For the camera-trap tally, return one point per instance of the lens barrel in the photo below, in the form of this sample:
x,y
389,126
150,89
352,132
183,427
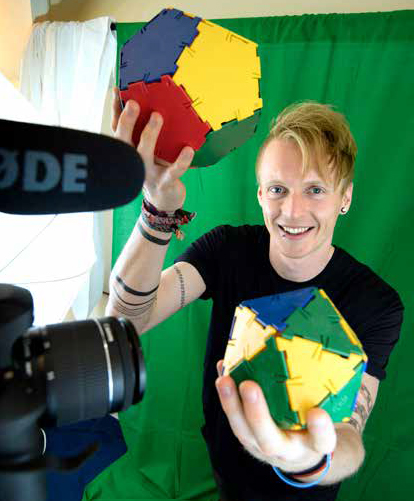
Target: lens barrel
x,y
92,368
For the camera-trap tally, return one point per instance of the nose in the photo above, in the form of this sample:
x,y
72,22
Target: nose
x,y
293,206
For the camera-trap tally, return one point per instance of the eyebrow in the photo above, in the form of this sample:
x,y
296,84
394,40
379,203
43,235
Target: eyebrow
x,y
313,181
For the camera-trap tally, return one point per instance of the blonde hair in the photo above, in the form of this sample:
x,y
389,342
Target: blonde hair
x,y
323,136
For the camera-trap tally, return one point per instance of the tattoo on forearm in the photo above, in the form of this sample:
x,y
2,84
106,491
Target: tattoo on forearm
x,y
134,312
362,413
132,291
131,304
365,392
182,288
151,238
353,422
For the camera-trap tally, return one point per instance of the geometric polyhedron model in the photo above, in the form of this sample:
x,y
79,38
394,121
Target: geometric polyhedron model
x,y
203,79
301,351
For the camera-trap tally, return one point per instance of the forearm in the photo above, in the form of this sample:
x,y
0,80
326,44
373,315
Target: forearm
x,y
136,276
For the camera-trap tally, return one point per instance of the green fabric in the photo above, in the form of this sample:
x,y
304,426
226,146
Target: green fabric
x,y
364,65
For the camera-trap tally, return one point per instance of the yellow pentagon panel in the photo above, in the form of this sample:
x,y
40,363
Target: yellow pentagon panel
x,y
220,72
248,338
311,375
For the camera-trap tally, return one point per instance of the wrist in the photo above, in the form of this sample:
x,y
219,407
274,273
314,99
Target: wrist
x,y
306,480
291,467
163,221
160,203
304,473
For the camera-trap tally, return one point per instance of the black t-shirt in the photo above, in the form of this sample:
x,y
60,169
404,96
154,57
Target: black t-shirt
x,y
234,264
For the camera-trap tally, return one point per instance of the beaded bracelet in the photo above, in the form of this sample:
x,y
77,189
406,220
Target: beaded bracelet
x,y
164,221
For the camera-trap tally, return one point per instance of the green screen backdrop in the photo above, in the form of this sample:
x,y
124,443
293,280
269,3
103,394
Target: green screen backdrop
x,y
364,65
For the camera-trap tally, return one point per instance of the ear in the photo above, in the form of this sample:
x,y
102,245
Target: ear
x,y
347,196
259,195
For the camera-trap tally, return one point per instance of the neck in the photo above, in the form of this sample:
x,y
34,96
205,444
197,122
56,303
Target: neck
x,y
300,269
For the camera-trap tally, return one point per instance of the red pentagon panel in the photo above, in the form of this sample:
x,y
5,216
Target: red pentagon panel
x,y
182,126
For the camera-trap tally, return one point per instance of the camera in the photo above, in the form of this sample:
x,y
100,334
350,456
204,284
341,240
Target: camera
x,y
76,371
55,375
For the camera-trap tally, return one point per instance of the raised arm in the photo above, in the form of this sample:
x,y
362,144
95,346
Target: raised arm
x,y
139,289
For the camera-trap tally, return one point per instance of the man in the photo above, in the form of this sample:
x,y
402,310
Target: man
x,y
304,171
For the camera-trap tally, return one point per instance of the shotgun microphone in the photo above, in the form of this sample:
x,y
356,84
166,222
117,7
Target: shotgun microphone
x,y
53,170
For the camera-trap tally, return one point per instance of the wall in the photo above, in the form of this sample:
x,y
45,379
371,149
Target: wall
x,y
15,26
214,9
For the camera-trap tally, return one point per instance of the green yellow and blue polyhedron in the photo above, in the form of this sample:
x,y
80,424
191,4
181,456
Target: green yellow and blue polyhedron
x,y
301,351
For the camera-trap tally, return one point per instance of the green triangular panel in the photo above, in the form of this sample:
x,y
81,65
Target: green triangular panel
x,y
221,142
268,368
341,406
319,322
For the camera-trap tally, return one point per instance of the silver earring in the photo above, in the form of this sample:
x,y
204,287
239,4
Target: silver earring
x,y
343,210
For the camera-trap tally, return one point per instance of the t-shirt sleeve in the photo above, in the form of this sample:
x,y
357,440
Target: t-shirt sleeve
x,y
205,255
382,333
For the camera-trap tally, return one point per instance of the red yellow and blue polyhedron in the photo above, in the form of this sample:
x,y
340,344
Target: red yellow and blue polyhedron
x,y
202,78
301,351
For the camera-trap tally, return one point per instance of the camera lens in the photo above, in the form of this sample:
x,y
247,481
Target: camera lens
x,y
91,367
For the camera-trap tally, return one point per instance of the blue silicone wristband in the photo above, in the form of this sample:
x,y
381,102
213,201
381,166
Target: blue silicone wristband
x,y
303,485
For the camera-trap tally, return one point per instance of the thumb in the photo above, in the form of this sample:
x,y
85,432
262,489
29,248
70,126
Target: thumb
x,y
321,431
182,163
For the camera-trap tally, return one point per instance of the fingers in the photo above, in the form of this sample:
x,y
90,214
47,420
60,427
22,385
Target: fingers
x,y
219,367
149,137
126,122
181,165
270,438
116,108
321,436
233,409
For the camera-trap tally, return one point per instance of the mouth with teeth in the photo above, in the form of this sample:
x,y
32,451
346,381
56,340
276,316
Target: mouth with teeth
x,y
295,233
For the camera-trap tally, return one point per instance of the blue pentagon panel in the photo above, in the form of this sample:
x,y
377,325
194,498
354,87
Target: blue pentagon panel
x,y
341,405
268,368
154,50
275,309
221,142
318,321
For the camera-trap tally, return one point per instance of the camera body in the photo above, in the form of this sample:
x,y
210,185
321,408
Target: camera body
x,y
55,375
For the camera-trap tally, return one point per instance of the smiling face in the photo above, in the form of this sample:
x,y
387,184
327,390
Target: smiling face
x,y
300,211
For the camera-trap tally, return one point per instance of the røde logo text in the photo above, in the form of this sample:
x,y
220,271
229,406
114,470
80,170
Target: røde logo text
x,y
41,171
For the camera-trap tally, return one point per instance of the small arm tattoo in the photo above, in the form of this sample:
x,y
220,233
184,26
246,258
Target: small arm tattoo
x,y
366,393
360,417
353,422
361,410
182,287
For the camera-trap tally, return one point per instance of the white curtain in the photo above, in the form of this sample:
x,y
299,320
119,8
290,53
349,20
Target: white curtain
x,y
65,74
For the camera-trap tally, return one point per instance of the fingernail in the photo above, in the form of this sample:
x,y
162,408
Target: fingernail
x,y
131,108
225,391
187,155
251,396
153,120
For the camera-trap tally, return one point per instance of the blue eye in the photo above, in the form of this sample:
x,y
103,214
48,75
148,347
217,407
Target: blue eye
x,y
276,190
315,190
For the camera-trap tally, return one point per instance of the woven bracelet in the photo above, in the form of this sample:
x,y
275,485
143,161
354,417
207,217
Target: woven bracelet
x,y
167,222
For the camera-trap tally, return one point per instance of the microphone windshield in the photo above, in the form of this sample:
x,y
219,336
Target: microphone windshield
x,y
52,170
